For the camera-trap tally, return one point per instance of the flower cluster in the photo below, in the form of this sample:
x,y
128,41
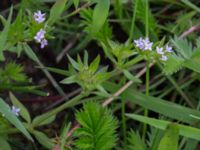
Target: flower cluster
x,y
162,52
40,35
145,44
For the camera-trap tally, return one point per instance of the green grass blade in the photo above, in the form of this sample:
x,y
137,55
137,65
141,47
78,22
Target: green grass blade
x,y
101,12
184,130
158,105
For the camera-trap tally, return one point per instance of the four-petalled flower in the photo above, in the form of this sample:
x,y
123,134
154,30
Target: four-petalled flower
x,y
15,110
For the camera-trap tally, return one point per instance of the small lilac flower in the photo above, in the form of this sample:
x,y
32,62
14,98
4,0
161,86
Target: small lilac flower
x,y
143,44
15,110
168,49
163,58
40,35
148,46
139,43
43,43
159,50
146,40
39,16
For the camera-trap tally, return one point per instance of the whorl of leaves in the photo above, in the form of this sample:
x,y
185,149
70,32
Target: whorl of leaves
x,y
12,72
97,130
135,142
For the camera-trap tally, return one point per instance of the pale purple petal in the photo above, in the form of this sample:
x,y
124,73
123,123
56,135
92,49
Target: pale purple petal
x,y
139,43
163,58
143,44
43,43
40,35
148,46
146,40
15,110
39,17
168,49
159,50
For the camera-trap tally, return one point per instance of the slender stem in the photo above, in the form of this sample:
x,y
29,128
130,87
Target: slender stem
x,y
147,94
133,21
51,79
147,78
77,10
118,10
58,109
147,64
147,19
30,53
124,119
178,88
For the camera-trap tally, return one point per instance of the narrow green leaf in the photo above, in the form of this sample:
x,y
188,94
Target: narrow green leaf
x,y
19,49
3,20
170,139
76,3
23,111
30,53
95,64
100,14
74,63
187,131
191,5
68,80
44,122
158,105
85,58
5,109
64,135
56,11
56,70
131,77
4,34
191,144
102,91
43,139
